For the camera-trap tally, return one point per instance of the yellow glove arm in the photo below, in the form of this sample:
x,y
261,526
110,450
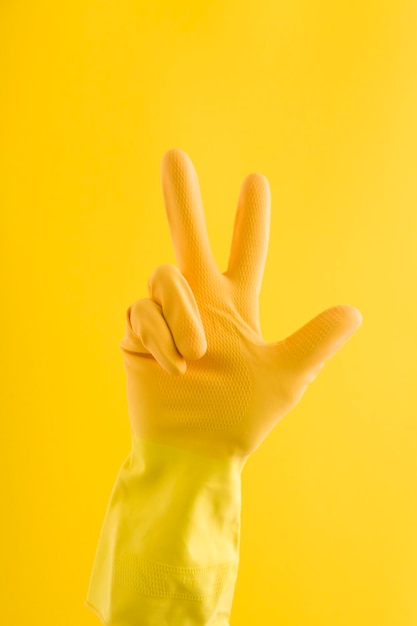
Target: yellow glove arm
x,y
168,551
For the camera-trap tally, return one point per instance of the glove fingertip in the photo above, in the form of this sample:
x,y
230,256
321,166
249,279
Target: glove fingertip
x,y
197,350
177,368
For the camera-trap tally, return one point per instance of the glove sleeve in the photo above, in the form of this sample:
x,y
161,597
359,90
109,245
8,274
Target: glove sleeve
x,y
168,550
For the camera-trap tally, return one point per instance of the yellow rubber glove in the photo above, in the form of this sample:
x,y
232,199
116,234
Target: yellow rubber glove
x,y
204,390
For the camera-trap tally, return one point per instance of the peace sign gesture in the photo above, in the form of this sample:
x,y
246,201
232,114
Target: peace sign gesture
x,y
199,374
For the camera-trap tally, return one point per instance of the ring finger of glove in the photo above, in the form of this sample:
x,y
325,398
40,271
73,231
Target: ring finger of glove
x,y
151,328
170,290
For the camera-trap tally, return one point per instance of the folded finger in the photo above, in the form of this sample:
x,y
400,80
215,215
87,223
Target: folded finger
x,y
150,326
171,291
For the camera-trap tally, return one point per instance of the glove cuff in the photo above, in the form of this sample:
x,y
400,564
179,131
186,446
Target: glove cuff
x,y
168,551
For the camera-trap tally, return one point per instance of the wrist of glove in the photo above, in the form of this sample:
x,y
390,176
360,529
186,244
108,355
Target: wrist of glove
x,y
168,551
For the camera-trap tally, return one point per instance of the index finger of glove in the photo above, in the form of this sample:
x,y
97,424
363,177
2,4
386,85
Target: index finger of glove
x,y
185,213
251,233
168,288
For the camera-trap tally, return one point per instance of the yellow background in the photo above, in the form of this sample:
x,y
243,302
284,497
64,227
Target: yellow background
x,y
321,97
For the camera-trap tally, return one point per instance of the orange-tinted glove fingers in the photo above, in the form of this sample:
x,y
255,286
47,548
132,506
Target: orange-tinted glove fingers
x,y
251,233
168,288
151,327
185,213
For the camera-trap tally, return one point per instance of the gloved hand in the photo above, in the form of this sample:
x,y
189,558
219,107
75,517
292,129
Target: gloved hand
x,y
204,390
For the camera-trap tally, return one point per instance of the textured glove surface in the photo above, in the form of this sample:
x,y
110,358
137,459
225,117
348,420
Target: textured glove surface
x,y
199,374
204,389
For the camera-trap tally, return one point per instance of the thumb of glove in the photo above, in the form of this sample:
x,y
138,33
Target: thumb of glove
x,y
318,340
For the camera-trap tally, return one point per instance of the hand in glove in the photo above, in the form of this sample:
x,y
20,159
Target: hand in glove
x,y
204,390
